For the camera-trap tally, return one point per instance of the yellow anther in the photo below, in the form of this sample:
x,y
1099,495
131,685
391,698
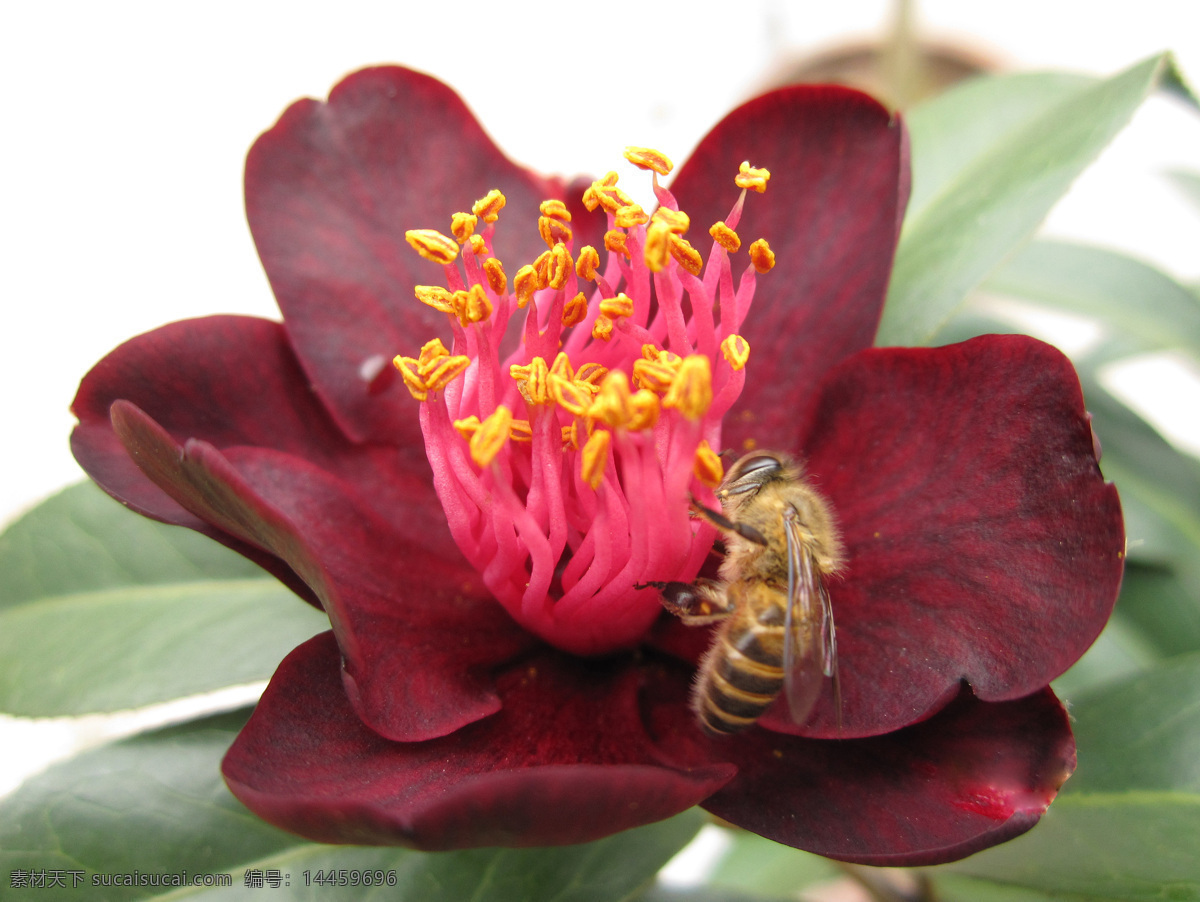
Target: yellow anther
x,y
631,215
752,178
520,431
526,283
658,247
726,237
433,371
432,350
591,197
686,255
562,367
412,378
491,436
736,350
615,308
436,297
472,306
614,242
588,263
432,245
611,404
555,209
650,351
572,396
489,206
493,271
602,328
654,374
440,374
575,310
691,391
532,381
467,427
560,267
541,266
553,231
674,220
462,225
708,468
648,158
762,256
645,408
594,458
591,373
606,194
570,438
478,245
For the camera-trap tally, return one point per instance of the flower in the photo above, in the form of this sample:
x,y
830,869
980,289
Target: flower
x,y
983,549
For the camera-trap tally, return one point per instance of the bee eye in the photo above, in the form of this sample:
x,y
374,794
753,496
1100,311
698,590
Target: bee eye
x,y
759,465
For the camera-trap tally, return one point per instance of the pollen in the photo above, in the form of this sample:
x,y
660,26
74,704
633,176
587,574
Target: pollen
x,y
433,245
594,458
647,158
762,256
575,412
691,390
491,436
489,206
736,351
751,178
726,237
708,468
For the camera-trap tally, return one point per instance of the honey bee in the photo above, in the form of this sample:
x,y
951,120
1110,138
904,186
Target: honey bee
x,y
777,632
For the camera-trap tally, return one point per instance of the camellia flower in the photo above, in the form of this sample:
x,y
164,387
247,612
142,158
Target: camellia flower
x,y
480,518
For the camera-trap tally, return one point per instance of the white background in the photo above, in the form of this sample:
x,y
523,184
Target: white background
x,y
125,127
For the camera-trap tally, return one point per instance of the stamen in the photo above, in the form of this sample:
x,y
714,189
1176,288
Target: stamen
x,y
595,458
432,245
762,256
708,469
566,483
749,177
491,436
736,350
647,158
489,206
691,391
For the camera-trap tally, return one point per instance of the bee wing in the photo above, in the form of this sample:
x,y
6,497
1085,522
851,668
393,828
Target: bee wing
x,y
809,644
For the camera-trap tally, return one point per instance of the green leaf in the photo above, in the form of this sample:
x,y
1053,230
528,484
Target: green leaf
x,y
997,195
155,804
135,646
754,865
1188,183
104,610
1125,826
81,540
1148,308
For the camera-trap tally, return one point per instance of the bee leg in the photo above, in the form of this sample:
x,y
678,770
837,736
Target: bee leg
x,y
719,520
695,603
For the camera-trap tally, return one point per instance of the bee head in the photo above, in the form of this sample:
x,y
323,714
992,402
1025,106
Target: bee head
x,y
751,472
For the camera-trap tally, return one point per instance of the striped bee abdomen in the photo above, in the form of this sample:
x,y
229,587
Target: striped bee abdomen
x,y
741,674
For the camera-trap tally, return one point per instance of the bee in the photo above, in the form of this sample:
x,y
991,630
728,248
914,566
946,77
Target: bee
x,y
776,623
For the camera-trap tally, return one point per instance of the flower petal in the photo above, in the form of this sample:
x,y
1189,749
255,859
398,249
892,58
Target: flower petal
x,y
831,213
231,381
331,190
983,544
418,633
973,776
565,760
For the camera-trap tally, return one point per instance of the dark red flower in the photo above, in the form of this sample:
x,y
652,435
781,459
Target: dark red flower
x,y
983,548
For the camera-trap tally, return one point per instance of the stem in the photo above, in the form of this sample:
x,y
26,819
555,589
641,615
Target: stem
x,y
890,884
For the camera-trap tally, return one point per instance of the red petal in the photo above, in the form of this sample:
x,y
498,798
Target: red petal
x,y
983,543
234,381
839,183
398,609
331,190
971,777
564,761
